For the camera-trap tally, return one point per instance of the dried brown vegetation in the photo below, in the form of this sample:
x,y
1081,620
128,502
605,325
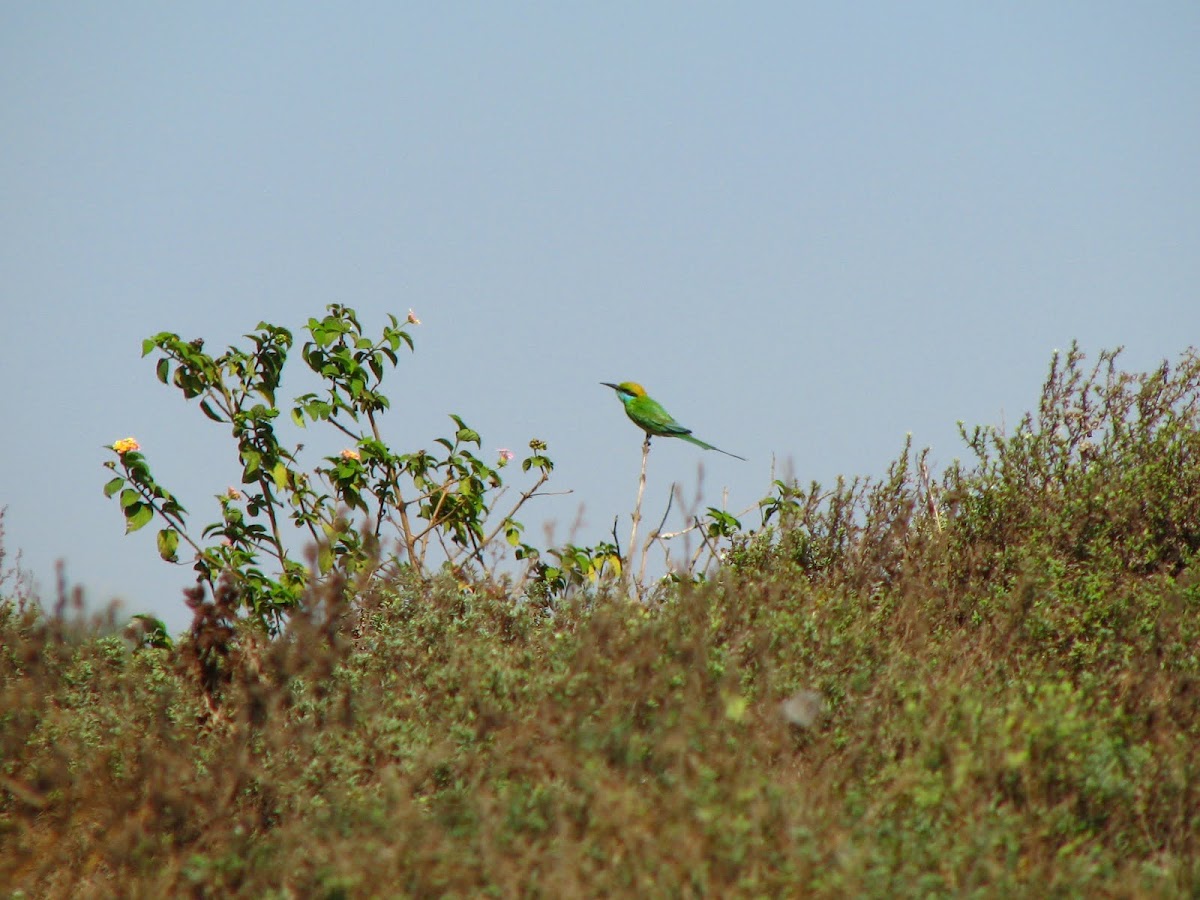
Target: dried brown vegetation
x,y
1012,692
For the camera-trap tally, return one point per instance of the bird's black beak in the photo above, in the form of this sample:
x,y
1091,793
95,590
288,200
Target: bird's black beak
x,y
610,384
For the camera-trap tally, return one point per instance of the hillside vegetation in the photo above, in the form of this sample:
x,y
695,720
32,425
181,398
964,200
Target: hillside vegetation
x,y
985,683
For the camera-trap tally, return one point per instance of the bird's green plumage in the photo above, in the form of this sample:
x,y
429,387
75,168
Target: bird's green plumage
x,y
648,414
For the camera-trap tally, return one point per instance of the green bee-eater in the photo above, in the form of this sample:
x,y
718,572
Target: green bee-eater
x,y
648,415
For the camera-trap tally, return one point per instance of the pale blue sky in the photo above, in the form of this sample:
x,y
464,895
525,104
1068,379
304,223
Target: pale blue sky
x,y
807,229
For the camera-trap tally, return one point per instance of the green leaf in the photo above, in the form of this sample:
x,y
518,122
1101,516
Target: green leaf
x,y
210,412
251,459
735,706
136,466
113,486
138,516
153,632
467,436
168,543
128,498
279,472
163,369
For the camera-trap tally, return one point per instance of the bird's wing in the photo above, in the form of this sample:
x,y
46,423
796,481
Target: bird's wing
x,y
673,427
662,419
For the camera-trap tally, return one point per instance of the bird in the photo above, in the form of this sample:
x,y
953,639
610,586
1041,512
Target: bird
x,y
648,415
